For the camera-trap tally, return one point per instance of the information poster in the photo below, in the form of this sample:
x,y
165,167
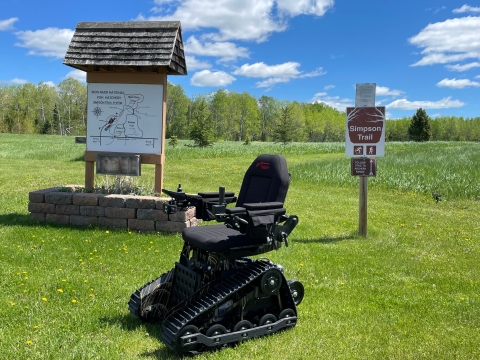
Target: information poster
x,y
365,95
125,118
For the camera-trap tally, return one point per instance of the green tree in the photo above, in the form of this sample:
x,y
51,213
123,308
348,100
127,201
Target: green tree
x,y
285,130
177,110
419,129
202,128
72,103
268,108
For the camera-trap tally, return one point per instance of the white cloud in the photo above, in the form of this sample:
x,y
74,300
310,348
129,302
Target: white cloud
x,y
50,42
262,70
333,101
238,19
211,78
466,8
328,87
448,41
464,67
226,51
309,7
195,64
77,75
457,84
7,24
477,77
384,91
18,81
404,104
275,74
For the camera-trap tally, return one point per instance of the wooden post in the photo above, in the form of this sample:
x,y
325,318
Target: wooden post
x,y
362,207
89,175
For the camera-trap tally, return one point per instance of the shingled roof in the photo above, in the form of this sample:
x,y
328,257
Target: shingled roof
x,y
136,45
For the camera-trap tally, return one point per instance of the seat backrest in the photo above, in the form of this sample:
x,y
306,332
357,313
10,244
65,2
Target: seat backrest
x,y
266,180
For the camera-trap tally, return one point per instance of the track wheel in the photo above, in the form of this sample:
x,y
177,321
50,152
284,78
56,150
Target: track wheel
x,y
267,320
185,347
216,330
242,326
286,313
297,290
271,282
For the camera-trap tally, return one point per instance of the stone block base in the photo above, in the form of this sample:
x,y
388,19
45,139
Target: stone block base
x,y
139,213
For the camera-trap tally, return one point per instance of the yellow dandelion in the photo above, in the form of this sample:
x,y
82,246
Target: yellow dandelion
x,y
463,299
90,295
60,269
44,299
74,301
129,233
107,232
12,303
60,290
85,281
301,264
63,280
29,342
35,327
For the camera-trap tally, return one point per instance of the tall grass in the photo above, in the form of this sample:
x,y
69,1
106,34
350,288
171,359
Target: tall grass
x,y
451,169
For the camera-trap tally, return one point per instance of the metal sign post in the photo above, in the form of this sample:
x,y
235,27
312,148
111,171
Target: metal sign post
x,y
365,136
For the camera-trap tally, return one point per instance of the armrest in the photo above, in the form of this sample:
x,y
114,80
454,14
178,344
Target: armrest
x,y
263,206
207,195
236,211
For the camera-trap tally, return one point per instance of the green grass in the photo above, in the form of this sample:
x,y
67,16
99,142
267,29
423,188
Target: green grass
x,y
409,290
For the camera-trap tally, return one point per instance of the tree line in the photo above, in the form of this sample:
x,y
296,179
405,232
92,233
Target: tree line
x,y
222,115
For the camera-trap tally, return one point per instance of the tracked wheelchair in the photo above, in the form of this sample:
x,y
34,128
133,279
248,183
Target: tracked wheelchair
x,y
216,294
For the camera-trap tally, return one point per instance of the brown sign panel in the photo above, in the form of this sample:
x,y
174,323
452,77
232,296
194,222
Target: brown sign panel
x,y
365,125
363,166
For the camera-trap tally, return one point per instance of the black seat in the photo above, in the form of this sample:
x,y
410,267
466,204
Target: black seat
x,y
261,197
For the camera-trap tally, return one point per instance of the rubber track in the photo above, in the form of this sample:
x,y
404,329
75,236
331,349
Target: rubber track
x,y
206,301
141,295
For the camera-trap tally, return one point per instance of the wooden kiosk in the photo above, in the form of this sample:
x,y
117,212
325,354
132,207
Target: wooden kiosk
x,y
127,64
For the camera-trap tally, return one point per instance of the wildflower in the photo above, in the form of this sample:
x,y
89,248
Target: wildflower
x,y
29,342
44,299
90,295
85,281
60,290
129,233
63,280
12,303
107,232
301,264
60,269
35,327
463,299
74,301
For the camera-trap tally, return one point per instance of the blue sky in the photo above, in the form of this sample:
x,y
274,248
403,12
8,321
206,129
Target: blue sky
x,y
423,53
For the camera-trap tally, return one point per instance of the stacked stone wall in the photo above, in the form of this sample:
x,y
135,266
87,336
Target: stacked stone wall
x,y
139,213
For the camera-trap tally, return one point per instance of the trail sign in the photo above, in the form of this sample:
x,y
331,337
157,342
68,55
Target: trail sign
x,y
365,131
363,166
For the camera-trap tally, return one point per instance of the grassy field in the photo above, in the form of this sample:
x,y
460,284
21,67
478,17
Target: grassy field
x,y
410,290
